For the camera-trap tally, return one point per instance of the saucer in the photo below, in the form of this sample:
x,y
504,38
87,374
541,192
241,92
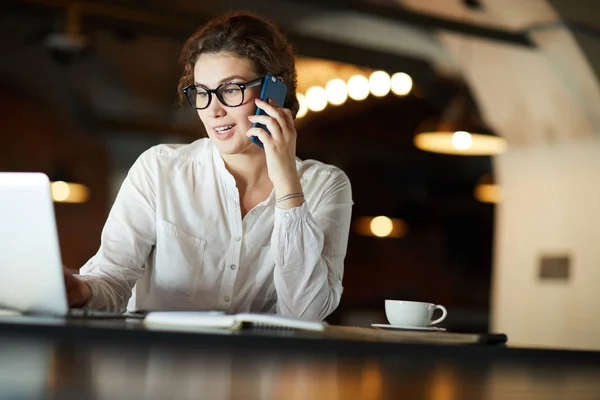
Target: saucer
x,y
408,328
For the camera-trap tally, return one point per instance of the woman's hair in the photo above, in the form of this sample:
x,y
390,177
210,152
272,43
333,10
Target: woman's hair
x,y
250,37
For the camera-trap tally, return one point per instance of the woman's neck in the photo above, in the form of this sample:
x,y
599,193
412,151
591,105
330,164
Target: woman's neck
x,y
248,170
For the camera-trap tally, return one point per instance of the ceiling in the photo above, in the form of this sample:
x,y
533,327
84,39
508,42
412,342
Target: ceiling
x,y
532,66
426,39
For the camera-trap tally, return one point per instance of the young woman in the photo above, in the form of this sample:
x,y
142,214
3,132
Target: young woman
x,y
221,224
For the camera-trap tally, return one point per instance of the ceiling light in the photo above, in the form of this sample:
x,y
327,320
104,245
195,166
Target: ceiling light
x,y
381,226
487,190
337,91
316,98
379,83
358,87
303,110
401,84
67,192
459,131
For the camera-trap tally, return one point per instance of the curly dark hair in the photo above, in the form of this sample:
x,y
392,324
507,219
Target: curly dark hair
x,y
249,36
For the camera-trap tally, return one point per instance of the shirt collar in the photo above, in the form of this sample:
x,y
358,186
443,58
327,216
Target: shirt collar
x,y
220,166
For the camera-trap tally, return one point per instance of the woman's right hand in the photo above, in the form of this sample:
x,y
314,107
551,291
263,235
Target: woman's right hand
x,y
79,292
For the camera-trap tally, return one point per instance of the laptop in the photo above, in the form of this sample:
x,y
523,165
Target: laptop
x,y
31,269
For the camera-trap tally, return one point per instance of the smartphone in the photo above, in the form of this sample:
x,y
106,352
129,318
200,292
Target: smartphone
x,y
274,89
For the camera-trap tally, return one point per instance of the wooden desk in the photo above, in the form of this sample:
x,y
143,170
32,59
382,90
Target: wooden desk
x,y
114,359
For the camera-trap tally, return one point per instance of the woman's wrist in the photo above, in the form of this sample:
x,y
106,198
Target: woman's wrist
x,y
288,194
290,200
84,294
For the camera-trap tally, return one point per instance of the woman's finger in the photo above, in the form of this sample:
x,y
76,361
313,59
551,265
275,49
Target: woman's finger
x,y
287,115
264,137
271,124
274,112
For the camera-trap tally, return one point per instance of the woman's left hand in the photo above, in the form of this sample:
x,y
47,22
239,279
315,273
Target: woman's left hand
x,y
280,146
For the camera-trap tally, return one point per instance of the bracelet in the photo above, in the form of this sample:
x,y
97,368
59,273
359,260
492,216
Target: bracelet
x,y
289,196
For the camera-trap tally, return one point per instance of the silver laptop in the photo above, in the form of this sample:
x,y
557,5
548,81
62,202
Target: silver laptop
x,y
31,272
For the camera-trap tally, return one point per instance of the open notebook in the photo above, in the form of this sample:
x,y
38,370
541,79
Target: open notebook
x,y
218,320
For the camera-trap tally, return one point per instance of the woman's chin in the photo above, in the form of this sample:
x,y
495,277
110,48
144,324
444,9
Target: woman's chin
x,y
236,146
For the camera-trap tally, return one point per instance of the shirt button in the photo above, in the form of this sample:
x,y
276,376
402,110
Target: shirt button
x,y
286,214
237,238
227,298
233,267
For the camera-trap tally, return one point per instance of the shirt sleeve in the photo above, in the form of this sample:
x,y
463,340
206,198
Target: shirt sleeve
x,y
127,239
310,248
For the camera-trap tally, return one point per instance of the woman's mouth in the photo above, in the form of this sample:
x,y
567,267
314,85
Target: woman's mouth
x,y
224,132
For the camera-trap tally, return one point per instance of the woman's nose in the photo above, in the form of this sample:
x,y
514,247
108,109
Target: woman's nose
x,y
215,109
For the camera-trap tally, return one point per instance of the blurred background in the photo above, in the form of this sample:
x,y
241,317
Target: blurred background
x,y
468,128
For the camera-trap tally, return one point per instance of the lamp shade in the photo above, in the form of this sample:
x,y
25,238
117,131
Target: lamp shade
x,y
459,131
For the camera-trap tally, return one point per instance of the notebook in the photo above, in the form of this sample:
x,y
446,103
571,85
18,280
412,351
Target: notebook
x,y
219,320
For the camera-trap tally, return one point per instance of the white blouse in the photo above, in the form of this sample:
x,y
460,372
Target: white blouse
x,y
175,240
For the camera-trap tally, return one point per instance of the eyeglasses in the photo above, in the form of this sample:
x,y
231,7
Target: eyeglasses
x,y
230,94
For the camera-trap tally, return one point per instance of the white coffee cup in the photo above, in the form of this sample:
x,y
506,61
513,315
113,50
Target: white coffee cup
x,y
412,313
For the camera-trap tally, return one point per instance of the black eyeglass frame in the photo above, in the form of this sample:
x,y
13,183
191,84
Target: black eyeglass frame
x,y
242,86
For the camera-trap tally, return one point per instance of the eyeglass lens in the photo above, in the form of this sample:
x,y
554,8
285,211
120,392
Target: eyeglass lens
x,y
230,94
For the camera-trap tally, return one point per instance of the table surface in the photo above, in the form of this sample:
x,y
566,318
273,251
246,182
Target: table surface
x,y
113,359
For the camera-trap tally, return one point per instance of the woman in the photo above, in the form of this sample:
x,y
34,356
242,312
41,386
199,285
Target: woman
x,y
221,224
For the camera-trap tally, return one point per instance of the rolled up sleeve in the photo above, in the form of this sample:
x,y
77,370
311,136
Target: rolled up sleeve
x,y
311,244
127,240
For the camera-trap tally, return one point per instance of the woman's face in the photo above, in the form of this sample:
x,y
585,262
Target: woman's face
x,y
227,126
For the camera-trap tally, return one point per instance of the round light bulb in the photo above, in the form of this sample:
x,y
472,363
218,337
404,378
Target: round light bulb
x,y
316,98
462,140
401,84
381,226
488,193
358,87
60,191
303,110
337,91
380,83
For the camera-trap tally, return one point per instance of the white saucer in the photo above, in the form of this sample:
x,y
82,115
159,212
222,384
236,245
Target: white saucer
x,y
408,328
